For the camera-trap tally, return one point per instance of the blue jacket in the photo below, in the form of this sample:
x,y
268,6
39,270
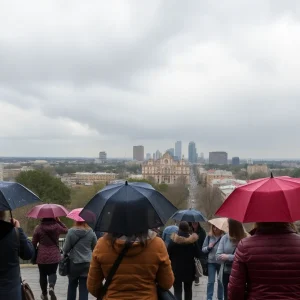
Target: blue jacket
x,y
10,274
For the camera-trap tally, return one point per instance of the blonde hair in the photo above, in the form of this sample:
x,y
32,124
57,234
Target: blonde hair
x,y
211,232
82,225
237,231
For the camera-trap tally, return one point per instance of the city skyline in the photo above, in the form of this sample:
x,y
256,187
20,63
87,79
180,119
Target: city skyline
x,y
222,75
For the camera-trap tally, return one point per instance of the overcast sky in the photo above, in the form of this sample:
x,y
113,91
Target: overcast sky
x,y
77,77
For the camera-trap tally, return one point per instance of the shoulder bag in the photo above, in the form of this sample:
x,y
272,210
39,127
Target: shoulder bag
x,y
114,269
26,291
202,264
64,264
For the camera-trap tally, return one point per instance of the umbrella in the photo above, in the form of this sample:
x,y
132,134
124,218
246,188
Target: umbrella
x,y
189,215
127,208
274,199
220,223
74,215
14,195
47,211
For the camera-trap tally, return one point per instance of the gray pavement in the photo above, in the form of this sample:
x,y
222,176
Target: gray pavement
x,y
31,275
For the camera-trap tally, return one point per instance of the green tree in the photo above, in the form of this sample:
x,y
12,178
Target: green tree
x,y
49,188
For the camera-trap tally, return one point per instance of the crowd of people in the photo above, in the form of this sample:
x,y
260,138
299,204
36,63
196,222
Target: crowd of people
x,y
263,265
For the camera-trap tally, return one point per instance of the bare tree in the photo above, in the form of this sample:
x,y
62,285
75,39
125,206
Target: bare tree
x,y
208,200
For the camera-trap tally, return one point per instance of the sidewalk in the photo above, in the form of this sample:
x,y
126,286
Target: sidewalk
x,y
31,275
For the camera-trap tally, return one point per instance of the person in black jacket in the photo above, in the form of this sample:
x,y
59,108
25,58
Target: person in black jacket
x,y
197,228
12,247
182,250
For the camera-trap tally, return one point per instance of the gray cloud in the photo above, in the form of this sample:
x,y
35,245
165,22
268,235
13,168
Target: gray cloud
x,y
76,78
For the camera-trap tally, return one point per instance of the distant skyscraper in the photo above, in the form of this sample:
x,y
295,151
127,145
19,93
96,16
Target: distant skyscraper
x,y
148,156
235,161
178,150
154,158
192,153
102,156
171,151
138,153
218,158
158,154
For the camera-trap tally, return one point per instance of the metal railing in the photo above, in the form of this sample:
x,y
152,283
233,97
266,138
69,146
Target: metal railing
x,y
61,242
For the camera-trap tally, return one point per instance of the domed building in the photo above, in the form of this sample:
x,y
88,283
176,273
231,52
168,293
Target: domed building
x,y
166,170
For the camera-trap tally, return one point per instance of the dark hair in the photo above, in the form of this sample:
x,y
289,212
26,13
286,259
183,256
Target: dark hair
x,y
275,226
184,226
142,237
236,230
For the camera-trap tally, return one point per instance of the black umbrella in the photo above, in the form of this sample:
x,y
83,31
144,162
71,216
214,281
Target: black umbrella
x,y
189,215
14,195
127,209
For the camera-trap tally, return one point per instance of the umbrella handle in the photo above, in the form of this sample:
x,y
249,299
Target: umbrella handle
x,y
11,218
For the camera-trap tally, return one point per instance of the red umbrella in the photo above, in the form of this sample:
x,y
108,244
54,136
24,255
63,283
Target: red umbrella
x,y
47,211
275,199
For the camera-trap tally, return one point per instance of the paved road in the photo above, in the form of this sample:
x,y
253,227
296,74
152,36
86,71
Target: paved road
x,y
30,274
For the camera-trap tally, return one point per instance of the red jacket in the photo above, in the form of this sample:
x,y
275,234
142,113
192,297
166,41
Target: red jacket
x,y
46,236
269,263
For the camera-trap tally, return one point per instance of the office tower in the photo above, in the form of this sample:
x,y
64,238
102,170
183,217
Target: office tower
x,y
178,150
192,153
158,154
102,156
148,156
235,161
138,153
171,151
218,158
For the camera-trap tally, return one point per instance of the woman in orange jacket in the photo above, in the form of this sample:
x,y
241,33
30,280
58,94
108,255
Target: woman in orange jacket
x,y
145,265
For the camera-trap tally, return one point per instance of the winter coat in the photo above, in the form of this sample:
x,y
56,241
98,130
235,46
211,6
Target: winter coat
x,y
138,272
269,263
81,253
46,236
202,235
10,282
182,249
212,259
226,246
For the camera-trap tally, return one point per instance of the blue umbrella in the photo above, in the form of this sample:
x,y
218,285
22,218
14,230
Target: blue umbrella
x,y
189,215
14,195
127,208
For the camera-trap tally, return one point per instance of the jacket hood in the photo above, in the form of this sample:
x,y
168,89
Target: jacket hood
x,y
5,228
48,225
184,240
135,249
80,232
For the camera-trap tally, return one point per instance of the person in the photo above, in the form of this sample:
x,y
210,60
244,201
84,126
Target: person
x,y
145,264
168,231
46,237
197,228
210,247
226,251
267,264
183,248
13,245
80,242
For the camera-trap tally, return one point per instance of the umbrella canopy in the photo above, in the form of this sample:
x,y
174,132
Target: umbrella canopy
x,y
74,215
274,199
220,223
189,215
127,208
47,211
14,195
